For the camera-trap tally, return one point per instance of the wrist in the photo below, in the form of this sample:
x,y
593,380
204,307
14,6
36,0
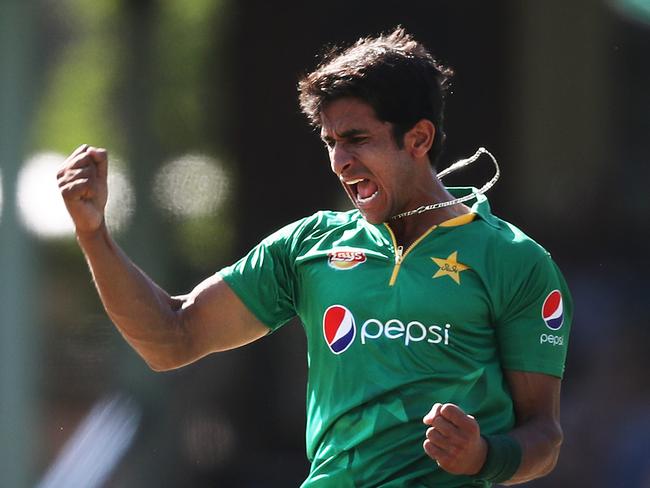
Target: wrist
x,y
502,460
90,235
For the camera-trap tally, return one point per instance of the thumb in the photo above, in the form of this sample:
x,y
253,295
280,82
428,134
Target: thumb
x,y
433,413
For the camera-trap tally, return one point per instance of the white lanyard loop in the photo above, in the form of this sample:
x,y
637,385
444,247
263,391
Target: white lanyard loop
x,y
461,163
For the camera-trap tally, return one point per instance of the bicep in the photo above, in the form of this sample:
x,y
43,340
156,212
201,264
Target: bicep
x,y
215,319
534,394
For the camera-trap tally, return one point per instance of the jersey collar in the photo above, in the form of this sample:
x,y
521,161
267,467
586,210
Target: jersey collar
x,y
479,205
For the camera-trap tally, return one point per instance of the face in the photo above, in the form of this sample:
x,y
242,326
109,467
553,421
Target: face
x,y
376,174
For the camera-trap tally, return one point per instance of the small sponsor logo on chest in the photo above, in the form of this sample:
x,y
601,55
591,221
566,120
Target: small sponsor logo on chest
x,y
343,259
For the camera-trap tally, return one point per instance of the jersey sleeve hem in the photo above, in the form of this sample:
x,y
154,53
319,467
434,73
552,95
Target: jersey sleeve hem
x,y
543,367
249,303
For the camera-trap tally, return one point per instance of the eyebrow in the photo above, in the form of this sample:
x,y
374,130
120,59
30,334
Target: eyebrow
x,y
348,134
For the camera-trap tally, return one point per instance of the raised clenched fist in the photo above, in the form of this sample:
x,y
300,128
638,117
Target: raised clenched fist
x,y
83,184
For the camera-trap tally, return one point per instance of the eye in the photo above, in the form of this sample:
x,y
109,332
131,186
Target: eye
x,y
329,144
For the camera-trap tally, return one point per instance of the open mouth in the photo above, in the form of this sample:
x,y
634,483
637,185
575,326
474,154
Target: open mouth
x,y
362,190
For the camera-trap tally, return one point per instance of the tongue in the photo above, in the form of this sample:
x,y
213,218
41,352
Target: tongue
x,y
366,189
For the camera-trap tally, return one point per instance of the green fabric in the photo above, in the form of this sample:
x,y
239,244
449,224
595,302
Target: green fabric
x,y
423,340
503,458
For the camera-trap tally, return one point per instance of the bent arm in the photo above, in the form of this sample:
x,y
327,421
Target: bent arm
x,y
168,332
536,399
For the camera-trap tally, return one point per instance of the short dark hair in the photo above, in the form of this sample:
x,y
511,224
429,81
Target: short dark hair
x,y
393,73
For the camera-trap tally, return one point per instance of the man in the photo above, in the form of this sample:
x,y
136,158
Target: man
x,y
408,307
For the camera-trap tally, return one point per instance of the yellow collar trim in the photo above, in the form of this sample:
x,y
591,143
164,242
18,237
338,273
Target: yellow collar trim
x,y
460,220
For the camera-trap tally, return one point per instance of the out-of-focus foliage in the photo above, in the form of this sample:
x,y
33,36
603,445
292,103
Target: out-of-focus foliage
x,y
76,105
186,40
79,102
83,99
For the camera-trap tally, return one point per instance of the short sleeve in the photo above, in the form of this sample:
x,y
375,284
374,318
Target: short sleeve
x,y
263,279
533,324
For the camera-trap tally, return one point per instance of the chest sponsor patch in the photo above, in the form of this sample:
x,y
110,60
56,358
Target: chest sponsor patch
x,y
338,328
345,258
553,310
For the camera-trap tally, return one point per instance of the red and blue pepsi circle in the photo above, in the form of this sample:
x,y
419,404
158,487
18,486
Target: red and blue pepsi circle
x,y
553,310
338,328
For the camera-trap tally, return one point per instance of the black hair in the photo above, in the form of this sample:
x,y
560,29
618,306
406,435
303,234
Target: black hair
x,y
393,73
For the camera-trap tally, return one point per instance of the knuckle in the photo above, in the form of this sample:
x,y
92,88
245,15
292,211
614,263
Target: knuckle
x,y
435,433
449,408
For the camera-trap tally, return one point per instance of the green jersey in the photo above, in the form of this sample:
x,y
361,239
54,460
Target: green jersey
x,y
391,331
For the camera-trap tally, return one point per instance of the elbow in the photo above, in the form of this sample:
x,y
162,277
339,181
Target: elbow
x,y
166,349
556,437
164,357
161,364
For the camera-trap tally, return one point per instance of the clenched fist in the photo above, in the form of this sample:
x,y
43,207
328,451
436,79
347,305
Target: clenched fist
x,y
454,440
83,184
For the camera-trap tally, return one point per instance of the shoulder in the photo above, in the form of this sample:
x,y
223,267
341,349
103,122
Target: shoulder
x,y
504,238
496,236
321,222
331,219
513,266
308,230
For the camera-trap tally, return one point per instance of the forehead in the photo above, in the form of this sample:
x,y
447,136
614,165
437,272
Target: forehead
x,y
349,114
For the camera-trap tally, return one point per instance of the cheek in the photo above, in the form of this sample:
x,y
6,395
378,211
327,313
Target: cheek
x,y
331,160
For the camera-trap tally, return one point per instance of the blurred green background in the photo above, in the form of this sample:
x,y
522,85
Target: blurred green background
x,y
196,103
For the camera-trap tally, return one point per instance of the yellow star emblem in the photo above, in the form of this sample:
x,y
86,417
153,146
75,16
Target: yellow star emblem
x,y
450,267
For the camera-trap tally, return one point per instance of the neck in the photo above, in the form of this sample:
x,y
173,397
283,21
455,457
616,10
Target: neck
x,y
408,229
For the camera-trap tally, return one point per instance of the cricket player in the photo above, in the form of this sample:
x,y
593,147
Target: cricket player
x,y
437,332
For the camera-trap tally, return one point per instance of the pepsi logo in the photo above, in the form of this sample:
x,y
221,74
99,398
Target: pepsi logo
x,y
338,328
553,310
345,259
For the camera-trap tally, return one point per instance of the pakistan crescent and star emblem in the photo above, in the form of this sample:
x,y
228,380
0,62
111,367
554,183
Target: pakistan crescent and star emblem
x,y
450,267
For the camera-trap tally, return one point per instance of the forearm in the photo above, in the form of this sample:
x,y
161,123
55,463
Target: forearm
x,y
540,442
144,313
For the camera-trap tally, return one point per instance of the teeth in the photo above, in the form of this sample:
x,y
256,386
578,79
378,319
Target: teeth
x,y
352,182
364,200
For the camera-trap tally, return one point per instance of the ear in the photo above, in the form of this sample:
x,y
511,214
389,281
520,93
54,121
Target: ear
x,y
419,138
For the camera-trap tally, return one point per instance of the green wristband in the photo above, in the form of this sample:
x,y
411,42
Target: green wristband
x,y
503,458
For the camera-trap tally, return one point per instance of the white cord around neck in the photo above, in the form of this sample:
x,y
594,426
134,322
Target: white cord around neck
x,y
461,163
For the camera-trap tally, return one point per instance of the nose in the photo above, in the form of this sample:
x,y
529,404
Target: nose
x,y
340,159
